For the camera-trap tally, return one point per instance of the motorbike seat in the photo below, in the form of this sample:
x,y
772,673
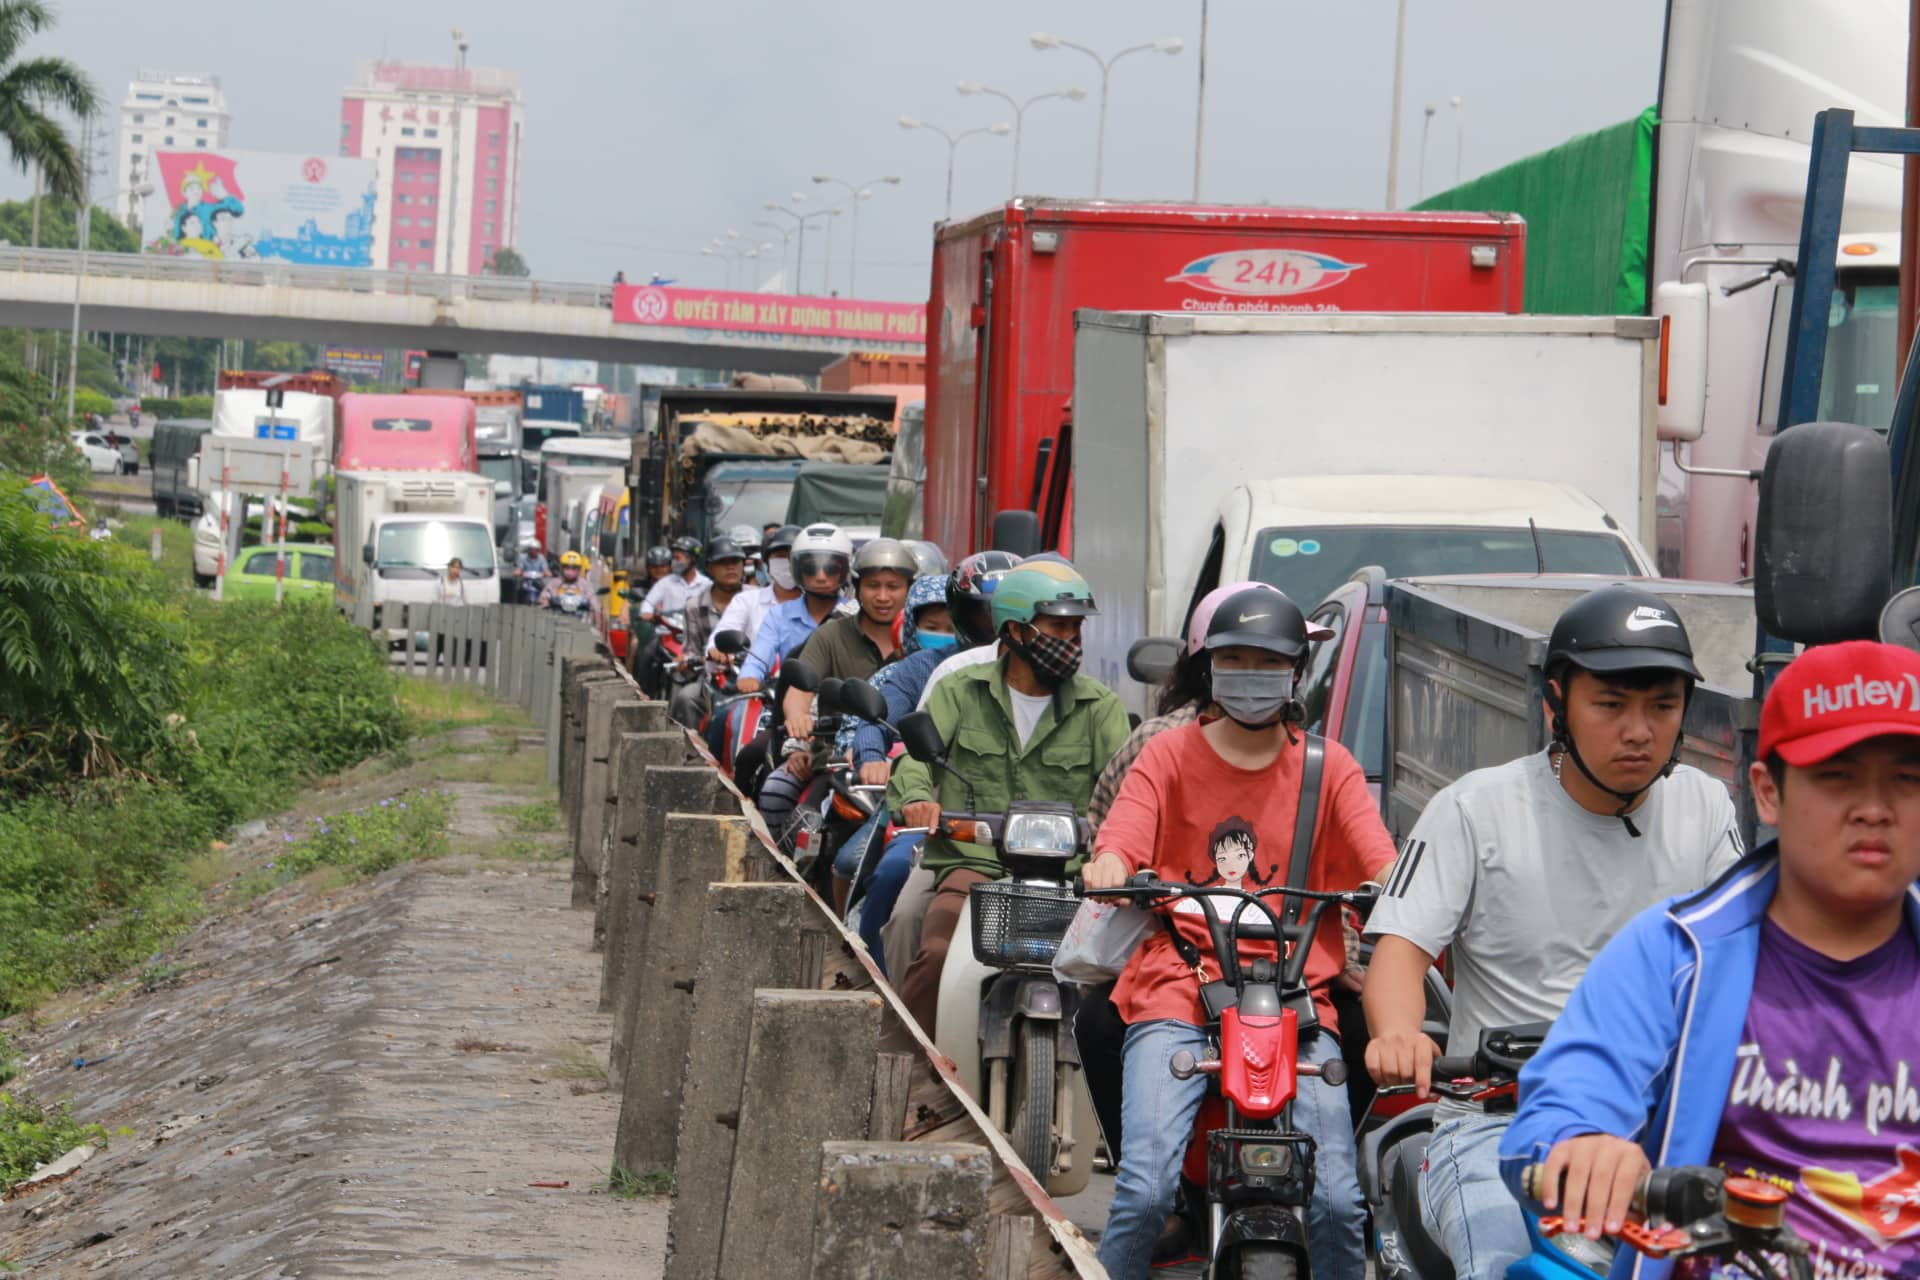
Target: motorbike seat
x,y
1402,1174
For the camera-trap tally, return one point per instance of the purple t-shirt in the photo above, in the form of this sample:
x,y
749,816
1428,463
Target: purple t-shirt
x,y
1826,1100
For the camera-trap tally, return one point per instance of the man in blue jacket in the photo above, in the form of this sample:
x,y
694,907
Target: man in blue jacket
x,y
1767,1023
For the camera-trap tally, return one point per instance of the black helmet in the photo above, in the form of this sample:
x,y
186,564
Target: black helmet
x,y
969,591
1620,628
658,555
782,539
724,549
686,545
1259,618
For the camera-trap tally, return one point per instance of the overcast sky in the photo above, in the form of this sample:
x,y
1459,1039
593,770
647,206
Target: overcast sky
x,y
655,125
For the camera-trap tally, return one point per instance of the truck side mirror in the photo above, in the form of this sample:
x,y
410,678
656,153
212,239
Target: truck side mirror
x,y
1681,395
1016,531
1150,658
1823,567
366,553
922,737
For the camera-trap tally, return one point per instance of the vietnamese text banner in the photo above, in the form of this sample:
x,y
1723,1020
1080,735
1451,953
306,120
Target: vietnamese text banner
x,y
769,313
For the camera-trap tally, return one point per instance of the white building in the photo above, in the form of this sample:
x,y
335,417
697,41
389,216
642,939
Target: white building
x,y
165,111
446,146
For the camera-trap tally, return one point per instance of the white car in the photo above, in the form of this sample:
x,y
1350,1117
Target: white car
x,y
102,458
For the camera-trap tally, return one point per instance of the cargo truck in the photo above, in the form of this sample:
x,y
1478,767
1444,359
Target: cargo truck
x,y
1006,285
394,532
1296,449
249,409
857,370
411,432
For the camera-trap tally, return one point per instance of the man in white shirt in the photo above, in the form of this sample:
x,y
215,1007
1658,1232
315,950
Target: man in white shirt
x,y
682,583
750,608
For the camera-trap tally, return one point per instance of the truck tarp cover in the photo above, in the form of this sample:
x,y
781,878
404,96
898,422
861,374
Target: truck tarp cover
x,y
1588,208
720,437
843,495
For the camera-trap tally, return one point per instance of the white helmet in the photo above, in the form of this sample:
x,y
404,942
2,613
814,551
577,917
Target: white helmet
x,y
822,545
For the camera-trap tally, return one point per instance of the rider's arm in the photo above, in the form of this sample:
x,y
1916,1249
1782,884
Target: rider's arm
x,y
1395,998
1125,842
650,606
766,644
913,782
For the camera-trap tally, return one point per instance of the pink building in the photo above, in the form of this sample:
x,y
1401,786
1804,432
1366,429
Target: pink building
x,y
446,147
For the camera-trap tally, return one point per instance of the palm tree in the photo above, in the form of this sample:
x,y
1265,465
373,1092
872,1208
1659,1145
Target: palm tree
x,y
28,87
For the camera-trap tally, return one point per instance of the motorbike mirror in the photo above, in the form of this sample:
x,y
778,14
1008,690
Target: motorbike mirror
x,y
1823,567
1334,1071
1016,531
732,643
796,674
829,694
1900,620
863,700
1150,658
922,737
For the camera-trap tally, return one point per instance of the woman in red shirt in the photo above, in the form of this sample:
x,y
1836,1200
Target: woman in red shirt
x,y
1211,803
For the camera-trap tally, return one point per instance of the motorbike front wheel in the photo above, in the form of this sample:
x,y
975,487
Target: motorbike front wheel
x,y
1262,1260
1031,1083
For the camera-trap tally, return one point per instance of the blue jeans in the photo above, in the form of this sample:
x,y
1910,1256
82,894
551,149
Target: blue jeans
x,y
883,890
1467,1208
1157,1113
846,863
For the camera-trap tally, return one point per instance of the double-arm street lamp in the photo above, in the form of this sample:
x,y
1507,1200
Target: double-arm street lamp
x,y
953,144
1168,45
855,193
969,87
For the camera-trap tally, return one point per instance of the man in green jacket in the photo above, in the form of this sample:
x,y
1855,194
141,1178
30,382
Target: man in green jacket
x,y
1026,727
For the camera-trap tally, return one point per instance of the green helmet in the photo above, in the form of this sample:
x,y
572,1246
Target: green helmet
x,y
1047,586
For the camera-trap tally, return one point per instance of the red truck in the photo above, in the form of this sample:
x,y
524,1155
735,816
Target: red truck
x,y
1007,283
857,370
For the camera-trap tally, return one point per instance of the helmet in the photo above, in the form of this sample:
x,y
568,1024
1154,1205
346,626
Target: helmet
x,y
744,536
782,539
1056,590
686,545
658,555
1203,613
1258,617
930,558
572,560
1621,628
970,588
821,544
724,548
885,553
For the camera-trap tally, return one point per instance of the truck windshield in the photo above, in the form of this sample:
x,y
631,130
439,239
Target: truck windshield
x,y
421,548
1860,379
498,467
750,502
1308,564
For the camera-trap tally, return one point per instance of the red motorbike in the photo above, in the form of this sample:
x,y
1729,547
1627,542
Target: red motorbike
x,y
1258,1170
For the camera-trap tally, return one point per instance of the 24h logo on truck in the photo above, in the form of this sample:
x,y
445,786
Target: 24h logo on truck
x,y
1265,272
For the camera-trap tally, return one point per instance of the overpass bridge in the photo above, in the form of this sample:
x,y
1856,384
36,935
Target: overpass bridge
x,y
278,301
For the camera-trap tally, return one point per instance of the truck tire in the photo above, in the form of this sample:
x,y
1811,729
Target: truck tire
x,y
1030,1085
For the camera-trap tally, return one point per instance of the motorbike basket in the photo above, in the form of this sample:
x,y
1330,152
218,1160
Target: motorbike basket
x,y
1018,926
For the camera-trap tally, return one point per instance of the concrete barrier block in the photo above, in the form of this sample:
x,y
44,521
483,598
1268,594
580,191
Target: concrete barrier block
x,y
636,753
752,939
808,1080
888,1209
593,749
630,717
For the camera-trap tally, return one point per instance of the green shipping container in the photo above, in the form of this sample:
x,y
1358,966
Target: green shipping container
x,y
1588,206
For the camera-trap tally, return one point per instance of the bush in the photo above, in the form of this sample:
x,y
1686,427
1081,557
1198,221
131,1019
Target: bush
x,y
402,828
31,1135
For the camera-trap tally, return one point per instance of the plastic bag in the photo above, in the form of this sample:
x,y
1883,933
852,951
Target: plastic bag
x,y
1100,939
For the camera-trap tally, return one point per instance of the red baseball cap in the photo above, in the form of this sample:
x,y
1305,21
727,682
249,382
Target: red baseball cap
x,y
1834,696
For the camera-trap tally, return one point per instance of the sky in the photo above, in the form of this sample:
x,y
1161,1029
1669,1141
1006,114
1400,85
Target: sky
x,y
654,126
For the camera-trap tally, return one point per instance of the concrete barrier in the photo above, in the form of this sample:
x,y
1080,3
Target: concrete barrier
x,y
591,780
632,718
901,1209
579,676
808,1080
635,754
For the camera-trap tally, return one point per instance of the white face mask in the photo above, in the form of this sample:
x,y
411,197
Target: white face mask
x,y
780,569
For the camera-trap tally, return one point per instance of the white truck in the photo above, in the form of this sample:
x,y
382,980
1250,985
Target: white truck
x,y
395,531
244,413
1296,449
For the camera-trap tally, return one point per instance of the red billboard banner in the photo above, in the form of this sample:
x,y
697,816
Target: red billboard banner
x,y
770,313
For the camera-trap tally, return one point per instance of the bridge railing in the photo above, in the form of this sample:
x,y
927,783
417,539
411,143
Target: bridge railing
x,y
288,275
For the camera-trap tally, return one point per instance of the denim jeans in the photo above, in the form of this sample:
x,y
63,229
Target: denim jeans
x,y
883,890
1158,1112
846,863
1467,1208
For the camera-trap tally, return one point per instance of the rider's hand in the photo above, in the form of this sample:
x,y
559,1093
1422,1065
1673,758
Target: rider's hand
x,y
800,765
800,726
922,813
747,684
1108,871
875,774
1403,1058
1601,1173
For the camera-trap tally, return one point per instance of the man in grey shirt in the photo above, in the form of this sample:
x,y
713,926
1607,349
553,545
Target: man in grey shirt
x,y
1522,872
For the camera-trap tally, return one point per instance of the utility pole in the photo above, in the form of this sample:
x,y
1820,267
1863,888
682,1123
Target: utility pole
x,y
1393,134
452,202
83,228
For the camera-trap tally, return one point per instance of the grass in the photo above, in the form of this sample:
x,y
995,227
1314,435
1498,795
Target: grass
x,y
575,1061
472,1044
635,1186
514,769
535,818
176,542
437,707
31,1135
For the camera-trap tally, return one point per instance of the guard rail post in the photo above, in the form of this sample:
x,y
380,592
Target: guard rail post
x,y
637,753
901,1209
628,718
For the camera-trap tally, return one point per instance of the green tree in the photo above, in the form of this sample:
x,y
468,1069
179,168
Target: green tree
x,y
508,262
28,87
281,357
105,233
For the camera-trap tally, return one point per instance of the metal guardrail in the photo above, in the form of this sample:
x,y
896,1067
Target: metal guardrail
x,y
287,275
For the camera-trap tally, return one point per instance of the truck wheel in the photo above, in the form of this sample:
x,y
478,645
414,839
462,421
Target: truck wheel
x,y
1263,1260
1031,1084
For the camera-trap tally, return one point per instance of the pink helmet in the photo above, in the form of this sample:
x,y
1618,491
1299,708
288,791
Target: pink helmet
x,y
1203,614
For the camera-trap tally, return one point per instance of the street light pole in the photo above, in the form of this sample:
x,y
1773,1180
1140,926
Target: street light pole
x,y
856,194
1459,137
1168,45
786,239
826,280
84,229
953,145
1073,94
1426,126
1393,133
1200,105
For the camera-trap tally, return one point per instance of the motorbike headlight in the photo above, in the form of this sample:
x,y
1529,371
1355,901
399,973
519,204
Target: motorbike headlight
x,y
1041,833
1266,1159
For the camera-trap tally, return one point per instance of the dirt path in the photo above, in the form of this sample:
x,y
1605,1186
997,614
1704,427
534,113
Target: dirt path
x,y
357,1081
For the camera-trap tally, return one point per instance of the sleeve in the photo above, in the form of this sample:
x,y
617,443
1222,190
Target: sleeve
x,y
735,616
934,679
1606,1063
1728,847
913,781
1351,817
814,651
657,592
1132,826
1427,894
766,647
1111,729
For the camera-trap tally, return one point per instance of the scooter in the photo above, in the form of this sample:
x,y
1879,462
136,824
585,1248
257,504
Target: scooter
x,y
1258,1170
1003,1018
836,803
1682,1212
1391,1157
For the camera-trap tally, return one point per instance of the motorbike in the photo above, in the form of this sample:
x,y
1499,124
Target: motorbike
x,y
1681,1212
570,601
1257,1170
1392,1156
836,803
1004,1019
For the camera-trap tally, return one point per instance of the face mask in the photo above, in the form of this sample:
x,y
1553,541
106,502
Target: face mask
x,y
1253,699
938,641
781,571
680,566
1054,661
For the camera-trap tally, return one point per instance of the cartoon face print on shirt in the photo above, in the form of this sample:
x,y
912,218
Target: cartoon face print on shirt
x,y
1233,846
